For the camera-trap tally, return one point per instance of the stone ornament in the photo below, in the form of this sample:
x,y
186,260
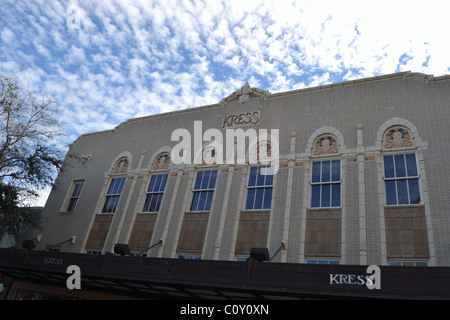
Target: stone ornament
x,y
325,144
397,137
161,161
121,166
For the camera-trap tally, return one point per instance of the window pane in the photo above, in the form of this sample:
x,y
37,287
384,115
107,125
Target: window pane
x,y
205,181
112,186
414,193
336,195
252,178
269,179
400,169
110,204
316,172
259,198
391,194
267,198
147,203
402,192
72,204
315,196
158,205
389,167
336,170
209,200
158,182
202,200
325,195
195,200
77,189
326,171
163,183
151,186
212,180
250,198
260,179
411,164
198,181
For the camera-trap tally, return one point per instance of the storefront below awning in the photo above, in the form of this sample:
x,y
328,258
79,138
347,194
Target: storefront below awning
x,y
108,276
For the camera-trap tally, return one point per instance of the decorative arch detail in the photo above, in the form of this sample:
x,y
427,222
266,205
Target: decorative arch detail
x,y
161,161
325,141
397,133
121,163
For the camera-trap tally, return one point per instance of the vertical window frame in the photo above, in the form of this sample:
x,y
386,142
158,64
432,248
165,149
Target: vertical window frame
x,y
406,178
165,176
330,183
199,191
109,195
72,201
256,187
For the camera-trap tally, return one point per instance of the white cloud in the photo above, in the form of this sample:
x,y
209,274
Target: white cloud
x,y
149,56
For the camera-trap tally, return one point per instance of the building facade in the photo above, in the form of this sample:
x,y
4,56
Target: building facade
x,y
361,178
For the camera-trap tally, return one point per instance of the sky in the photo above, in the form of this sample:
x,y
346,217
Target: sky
x,y
107,61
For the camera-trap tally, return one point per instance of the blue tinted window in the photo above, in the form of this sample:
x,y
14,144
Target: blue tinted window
x,y
326,193
336,170
250,198
205,181
195,201
414,192
202,200
252,178
326,171
209,200
155,193
389,167
267,198
198,180
400,169
77,189
316,172
402,192
336,195
259,192
259,198
411,164
391,193
212,179
315,196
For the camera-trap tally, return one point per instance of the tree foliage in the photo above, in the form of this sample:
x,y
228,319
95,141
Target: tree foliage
x,y
29,157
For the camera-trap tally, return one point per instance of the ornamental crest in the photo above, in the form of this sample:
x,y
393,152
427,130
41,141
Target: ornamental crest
x,y
162,161
121,166
325,144
397,137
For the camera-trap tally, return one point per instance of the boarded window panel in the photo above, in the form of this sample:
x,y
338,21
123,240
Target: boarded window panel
x,y
192,234
252,231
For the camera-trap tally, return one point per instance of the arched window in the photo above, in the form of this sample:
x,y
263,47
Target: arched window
x,y
326,175
400,167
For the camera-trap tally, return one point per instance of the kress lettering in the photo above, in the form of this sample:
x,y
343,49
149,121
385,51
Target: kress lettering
x,y
241,118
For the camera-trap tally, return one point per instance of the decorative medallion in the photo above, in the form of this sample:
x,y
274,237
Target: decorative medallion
x,y
162,161
397,137
262,151
325,144
121,166
245,94
209,156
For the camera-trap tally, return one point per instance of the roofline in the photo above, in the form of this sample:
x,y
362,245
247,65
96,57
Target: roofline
x,y
406,75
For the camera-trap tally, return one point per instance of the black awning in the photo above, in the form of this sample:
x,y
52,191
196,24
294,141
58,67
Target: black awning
x,y
208,279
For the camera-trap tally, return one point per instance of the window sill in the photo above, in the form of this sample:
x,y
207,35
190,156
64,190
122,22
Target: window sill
x,y
404,205
325,208
67,212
